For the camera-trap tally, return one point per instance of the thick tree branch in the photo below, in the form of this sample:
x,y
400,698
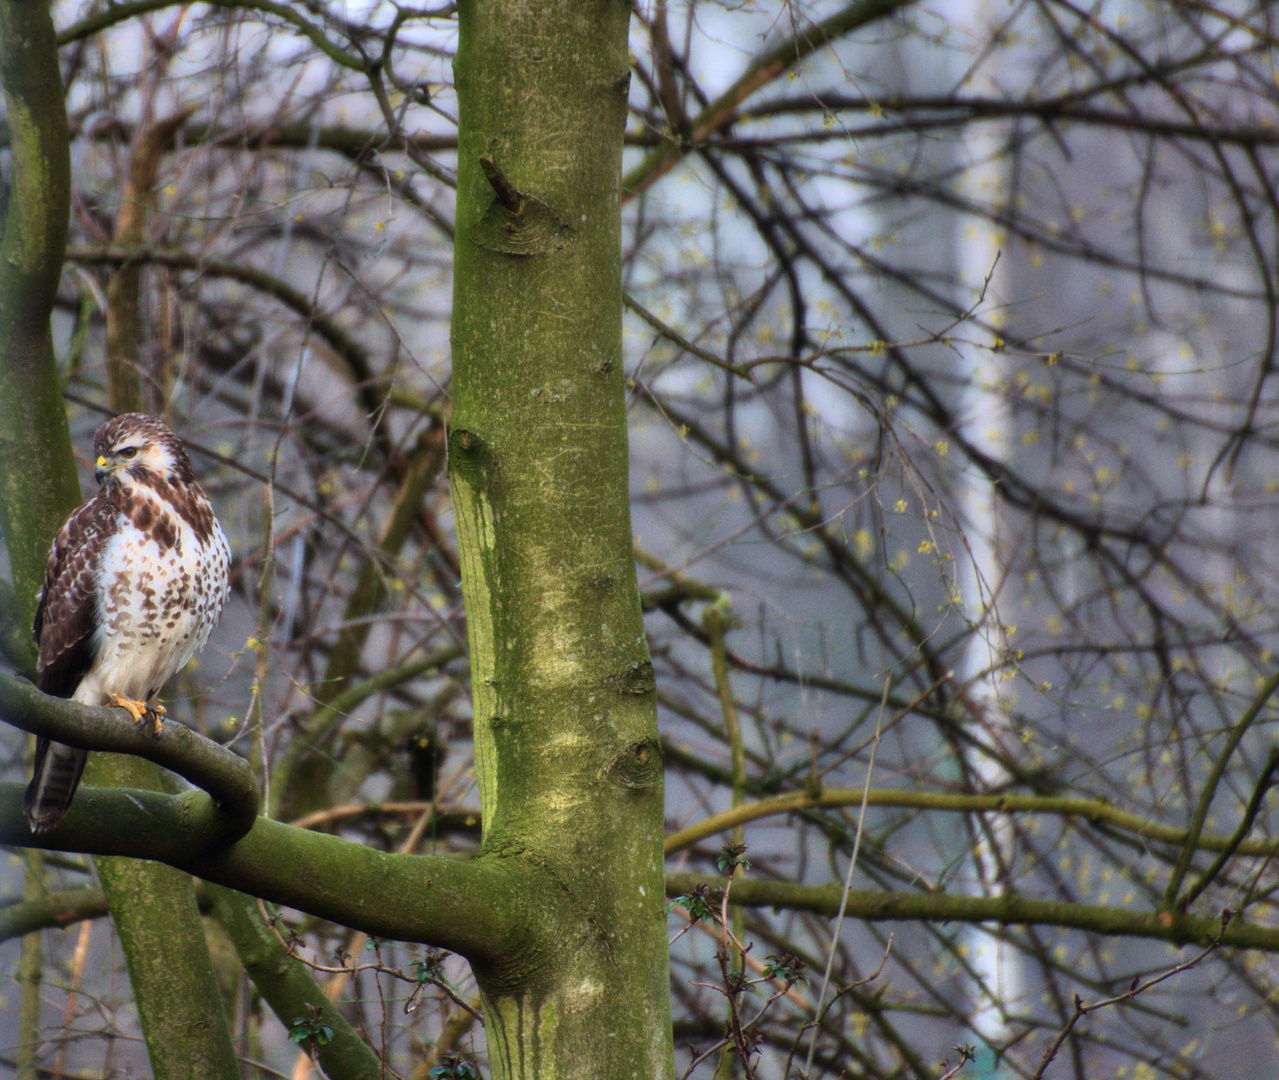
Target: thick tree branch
x,y
474,909
1008,910
226,777
59,909
467,908
1095,812
287,985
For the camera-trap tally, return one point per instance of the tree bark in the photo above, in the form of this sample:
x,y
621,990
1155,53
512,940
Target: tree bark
x,y
38,482
34,224
567,755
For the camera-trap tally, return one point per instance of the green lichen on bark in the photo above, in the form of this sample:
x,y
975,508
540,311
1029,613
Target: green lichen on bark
x,y
33,425
566,739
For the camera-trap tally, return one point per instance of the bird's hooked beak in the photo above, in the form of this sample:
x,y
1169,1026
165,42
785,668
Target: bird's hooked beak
x,y
103,468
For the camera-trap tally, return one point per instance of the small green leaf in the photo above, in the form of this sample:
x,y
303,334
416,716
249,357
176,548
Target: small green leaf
x,y
730,857
310,1030
429,968
786,968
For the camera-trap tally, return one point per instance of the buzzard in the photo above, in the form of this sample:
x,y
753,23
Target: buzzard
x,y
135,582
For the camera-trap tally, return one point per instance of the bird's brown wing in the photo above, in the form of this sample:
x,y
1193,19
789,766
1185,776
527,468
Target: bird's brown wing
x,y
66,616
65,629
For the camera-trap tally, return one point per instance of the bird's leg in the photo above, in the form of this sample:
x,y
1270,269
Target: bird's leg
x,y
139,709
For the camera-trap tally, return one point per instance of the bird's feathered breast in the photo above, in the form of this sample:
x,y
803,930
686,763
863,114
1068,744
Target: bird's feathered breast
x,y
188,501
71,607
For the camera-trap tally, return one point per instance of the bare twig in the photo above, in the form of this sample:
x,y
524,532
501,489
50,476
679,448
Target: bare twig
x,y
1135,988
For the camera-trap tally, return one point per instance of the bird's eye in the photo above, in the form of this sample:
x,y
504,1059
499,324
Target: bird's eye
x,y
129,452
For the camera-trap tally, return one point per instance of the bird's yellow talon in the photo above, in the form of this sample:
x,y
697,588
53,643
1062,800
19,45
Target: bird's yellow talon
x,y
140,709
136,709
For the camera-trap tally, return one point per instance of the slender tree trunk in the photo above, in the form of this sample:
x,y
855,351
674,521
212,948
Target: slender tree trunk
x,y
33,220
37,472
566,741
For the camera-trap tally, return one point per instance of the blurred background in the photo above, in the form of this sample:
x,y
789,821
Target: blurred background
x,y
950,338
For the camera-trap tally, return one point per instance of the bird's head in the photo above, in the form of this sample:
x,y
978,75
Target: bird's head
x,y
133,446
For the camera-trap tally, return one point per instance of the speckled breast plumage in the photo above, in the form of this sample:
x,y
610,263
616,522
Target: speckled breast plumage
x,y
160,591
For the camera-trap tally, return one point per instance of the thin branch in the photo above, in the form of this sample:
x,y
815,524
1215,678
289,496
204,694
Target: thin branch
x,y
1082,1010
114,14
1171,902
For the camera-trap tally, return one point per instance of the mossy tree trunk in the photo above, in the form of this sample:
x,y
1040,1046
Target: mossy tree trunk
x,y
566,741
35,444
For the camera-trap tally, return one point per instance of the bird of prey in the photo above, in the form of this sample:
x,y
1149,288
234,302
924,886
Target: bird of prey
x,y
135,582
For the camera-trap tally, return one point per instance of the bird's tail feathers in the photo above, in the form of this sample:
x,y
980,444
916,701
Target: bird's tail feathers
x,y
55,777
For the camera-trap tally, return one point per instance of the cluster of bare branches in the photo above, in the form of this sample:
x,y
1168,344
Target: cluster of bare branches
x,y
950,343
